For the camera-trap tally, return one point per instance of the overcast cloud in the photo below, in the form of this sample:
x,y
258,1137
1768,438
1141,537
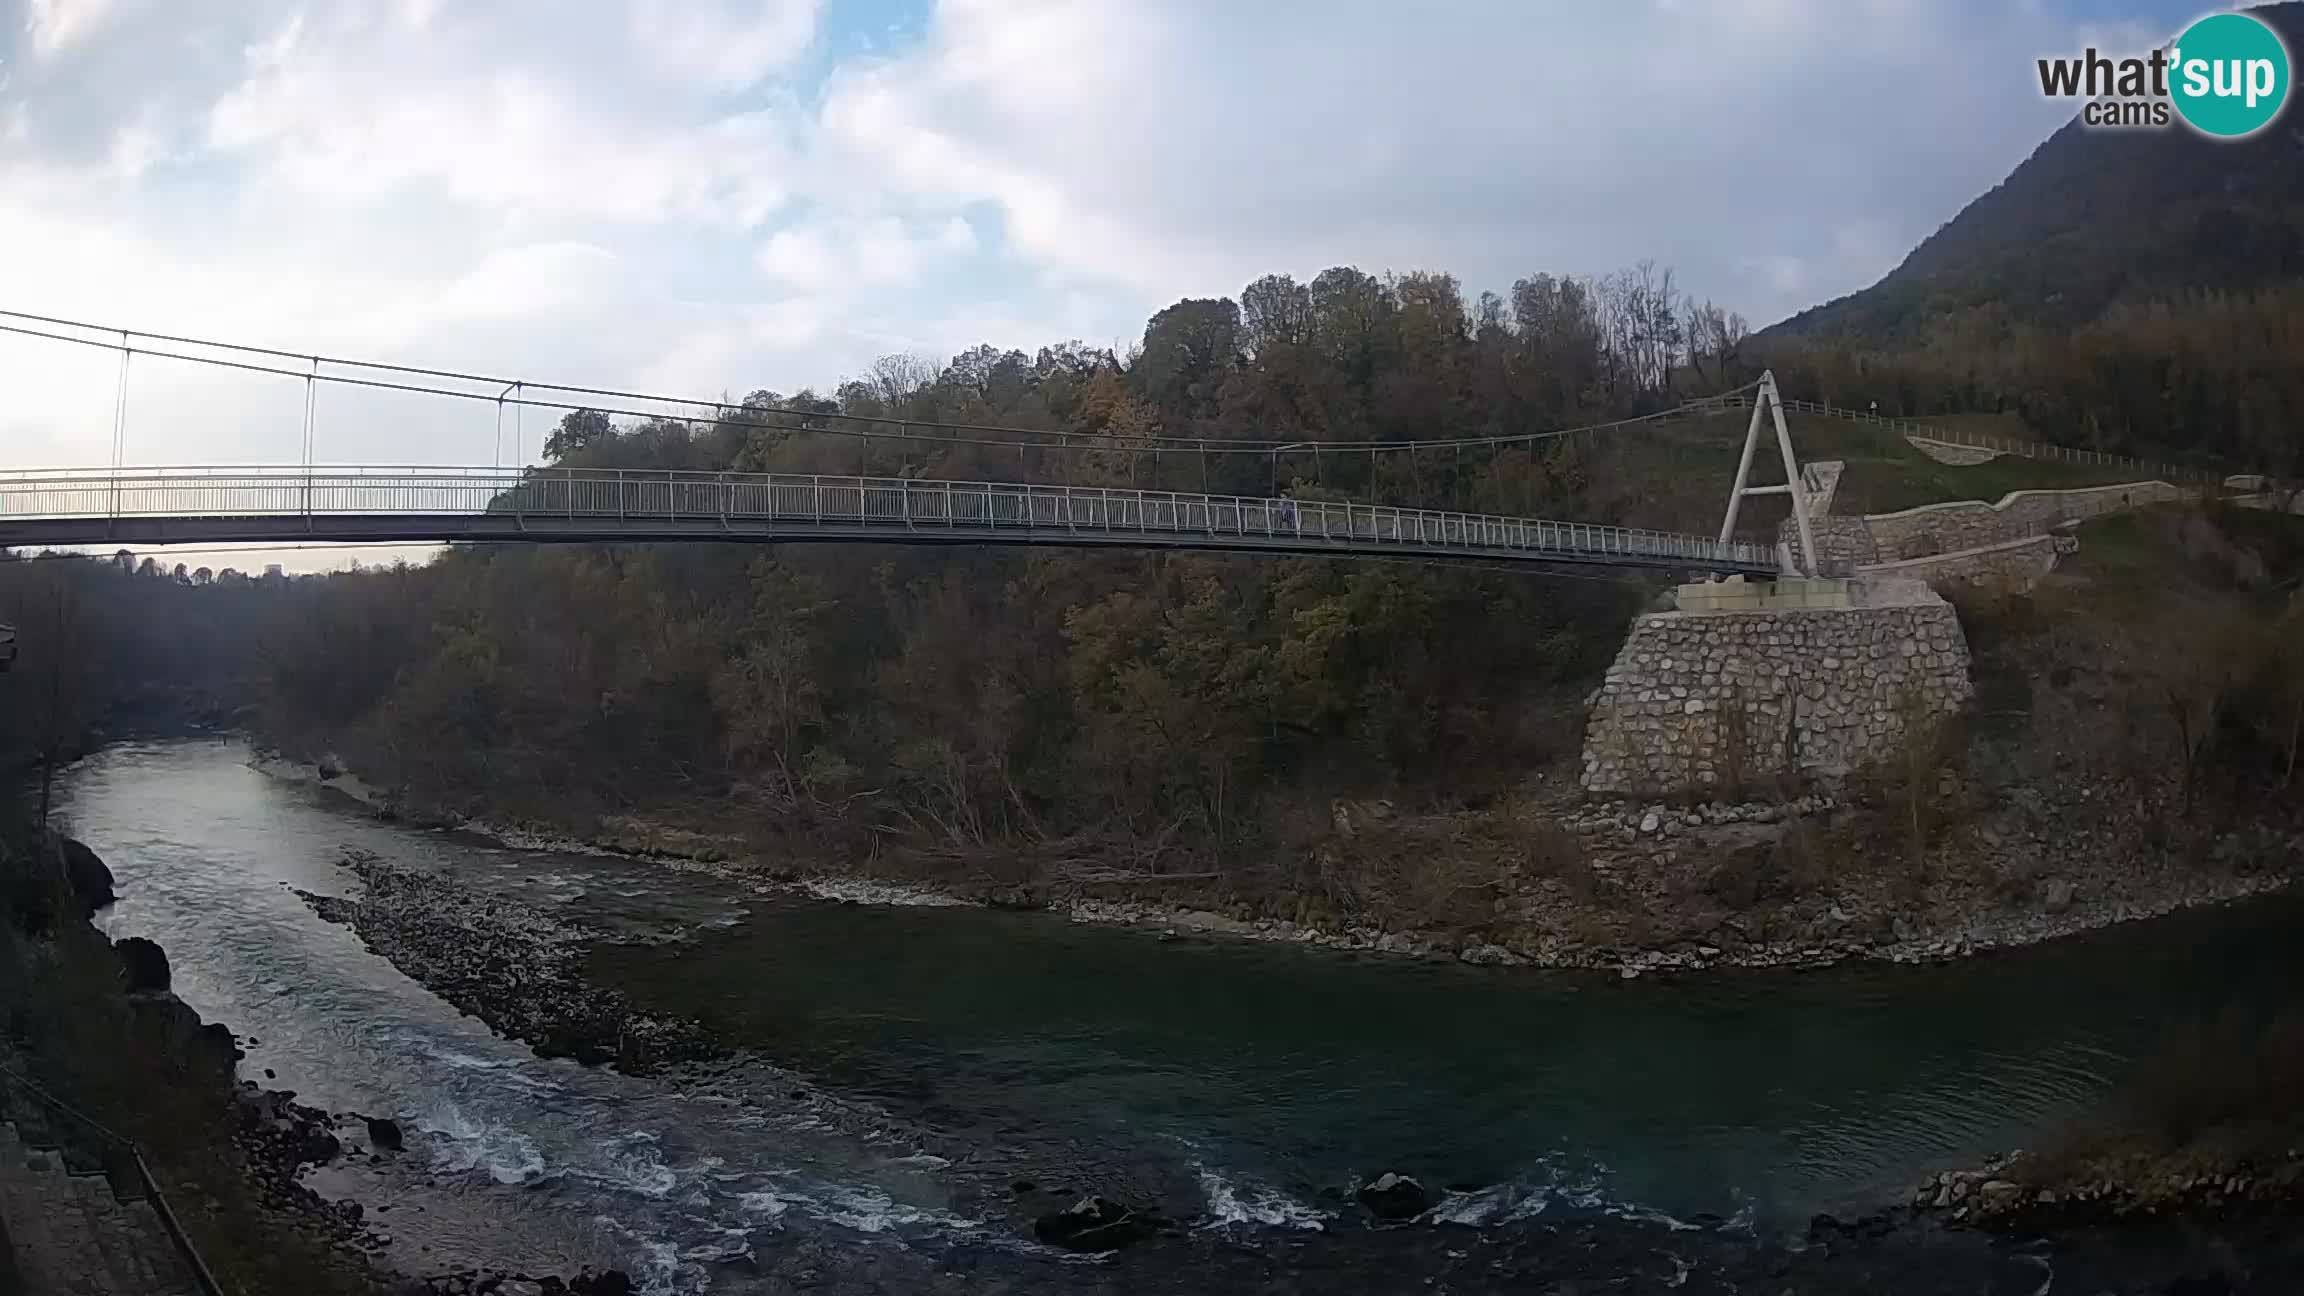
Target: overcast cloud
x,y
713,196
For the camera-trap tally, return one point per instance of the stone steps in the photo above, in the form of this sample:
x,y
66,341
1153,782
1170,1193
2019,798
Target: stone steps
x,y
71,1235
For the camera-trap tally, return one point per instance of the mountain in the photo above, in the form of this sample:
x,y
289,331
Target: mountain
x,y
2094,218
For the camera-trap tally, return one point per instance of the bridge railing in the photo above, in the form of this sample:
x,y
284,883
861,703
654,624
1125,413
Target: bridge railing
x,y
745,502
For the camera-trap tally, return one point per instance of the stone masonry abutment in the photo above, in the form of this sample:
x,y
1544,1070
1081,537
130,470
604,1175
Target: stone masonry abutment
x,y
1802,680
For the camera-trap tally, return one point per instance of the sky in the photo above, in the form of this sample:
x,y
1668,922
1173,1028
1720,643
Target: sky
x,y
716,196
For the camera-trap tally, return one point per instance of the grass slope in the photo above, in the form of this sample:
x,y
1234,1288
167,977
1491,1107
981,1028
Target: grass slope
x,y
1675,476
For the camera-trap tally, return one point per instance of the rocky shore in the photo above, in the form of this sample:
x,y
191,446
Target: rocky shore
x,y
275,1141
1624,841
2015,1193
512,965
2037,867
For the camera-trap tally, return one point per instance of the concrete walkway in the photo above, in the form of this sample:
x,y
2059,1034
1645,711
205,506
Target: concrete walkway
x,y
69,1235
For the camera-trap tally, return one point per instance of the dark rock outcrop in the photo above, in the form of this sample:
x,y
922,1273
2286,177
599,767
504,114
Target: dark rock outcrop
x,y
1395,1197
143,964
1091,1224
91,882
384,1134
318,1147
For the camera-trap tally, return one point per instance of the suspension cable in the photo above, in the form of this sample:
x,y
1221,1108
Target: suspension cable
x,y
813,420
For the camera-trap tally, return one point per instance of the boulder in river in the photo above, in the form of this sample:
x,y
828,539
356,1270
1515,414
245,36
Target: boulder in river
x,y
330,768
90,881
143,964
384,1135
1091,1224
1392,1196
318,1147
608,1282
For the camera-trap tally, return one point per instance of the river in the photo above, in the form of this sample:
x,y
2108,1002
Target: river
x,y
914,1062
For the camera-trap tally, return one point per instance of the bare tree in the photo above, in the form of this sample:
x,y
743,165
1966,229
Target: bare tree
x,y
897,378
56,685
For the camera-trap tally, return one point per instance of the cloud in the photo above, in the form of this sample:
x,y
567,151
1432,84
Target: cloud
x,y
727,47
370,107
54,26
719,195
1183,147
827,256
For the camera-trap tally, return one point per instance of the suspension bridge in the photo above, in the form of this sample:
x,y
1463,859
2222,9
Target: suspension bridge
x,y
311,502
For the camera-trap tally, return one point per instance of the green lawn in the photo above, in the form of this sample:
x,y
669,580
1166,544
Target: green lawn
x,y
1675,475
1886,473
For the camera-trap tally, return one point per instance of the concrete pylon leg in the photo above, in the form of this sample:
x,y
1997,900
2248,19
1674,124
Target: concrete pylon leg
x,y
1766,403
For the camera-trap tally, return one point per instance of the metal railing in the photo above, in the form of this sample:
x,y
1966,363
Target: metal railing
x,y
132,1157
752,505
2042,450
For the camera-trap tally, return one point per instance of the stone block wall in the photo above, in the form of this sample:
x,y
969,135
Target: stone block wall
x,y
2016,565
1698,701
1820,478
1947,528
1842,543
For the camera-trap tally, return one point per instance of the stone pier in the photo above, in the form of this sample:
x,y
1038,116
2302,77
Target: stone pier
x,y
1768,681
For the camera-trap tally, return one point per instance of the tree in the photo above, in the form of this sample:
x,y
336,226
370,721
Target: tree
x,y
770,696
897,379
1275,311
55,677
1350,311
579,430
1187,350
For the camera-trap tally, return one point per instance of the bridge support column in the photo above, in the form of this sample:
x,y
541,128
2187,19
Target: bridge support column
x,y
1744,686
1765,402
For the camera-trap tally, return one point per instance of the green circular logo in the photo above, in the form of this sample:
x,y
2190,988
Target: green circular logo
x,y
2228,75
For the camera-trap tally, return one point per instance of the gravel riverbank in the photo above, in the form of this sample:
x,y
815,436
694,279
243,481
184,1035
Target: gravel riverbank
x,y
2015,874
512,965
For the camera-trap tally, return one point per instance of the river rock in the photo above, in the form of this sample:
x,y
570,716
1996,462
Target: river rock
x,y
1392,1196
318,1147
1488,956
1998,1194
330,768
2057,895
384,1134
608,1282
1826,1228
90,881
143,965
1091,1224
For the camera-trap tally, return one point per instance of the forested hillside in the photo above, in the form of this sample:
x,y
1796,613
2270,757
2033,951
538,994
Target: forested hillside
x,y
120,646
949,698
2139,291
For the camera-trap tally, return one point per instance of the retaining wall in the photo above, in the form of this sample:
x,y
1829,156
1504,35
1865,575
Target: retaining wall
x,y
1947,528
1697,702
2016,565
